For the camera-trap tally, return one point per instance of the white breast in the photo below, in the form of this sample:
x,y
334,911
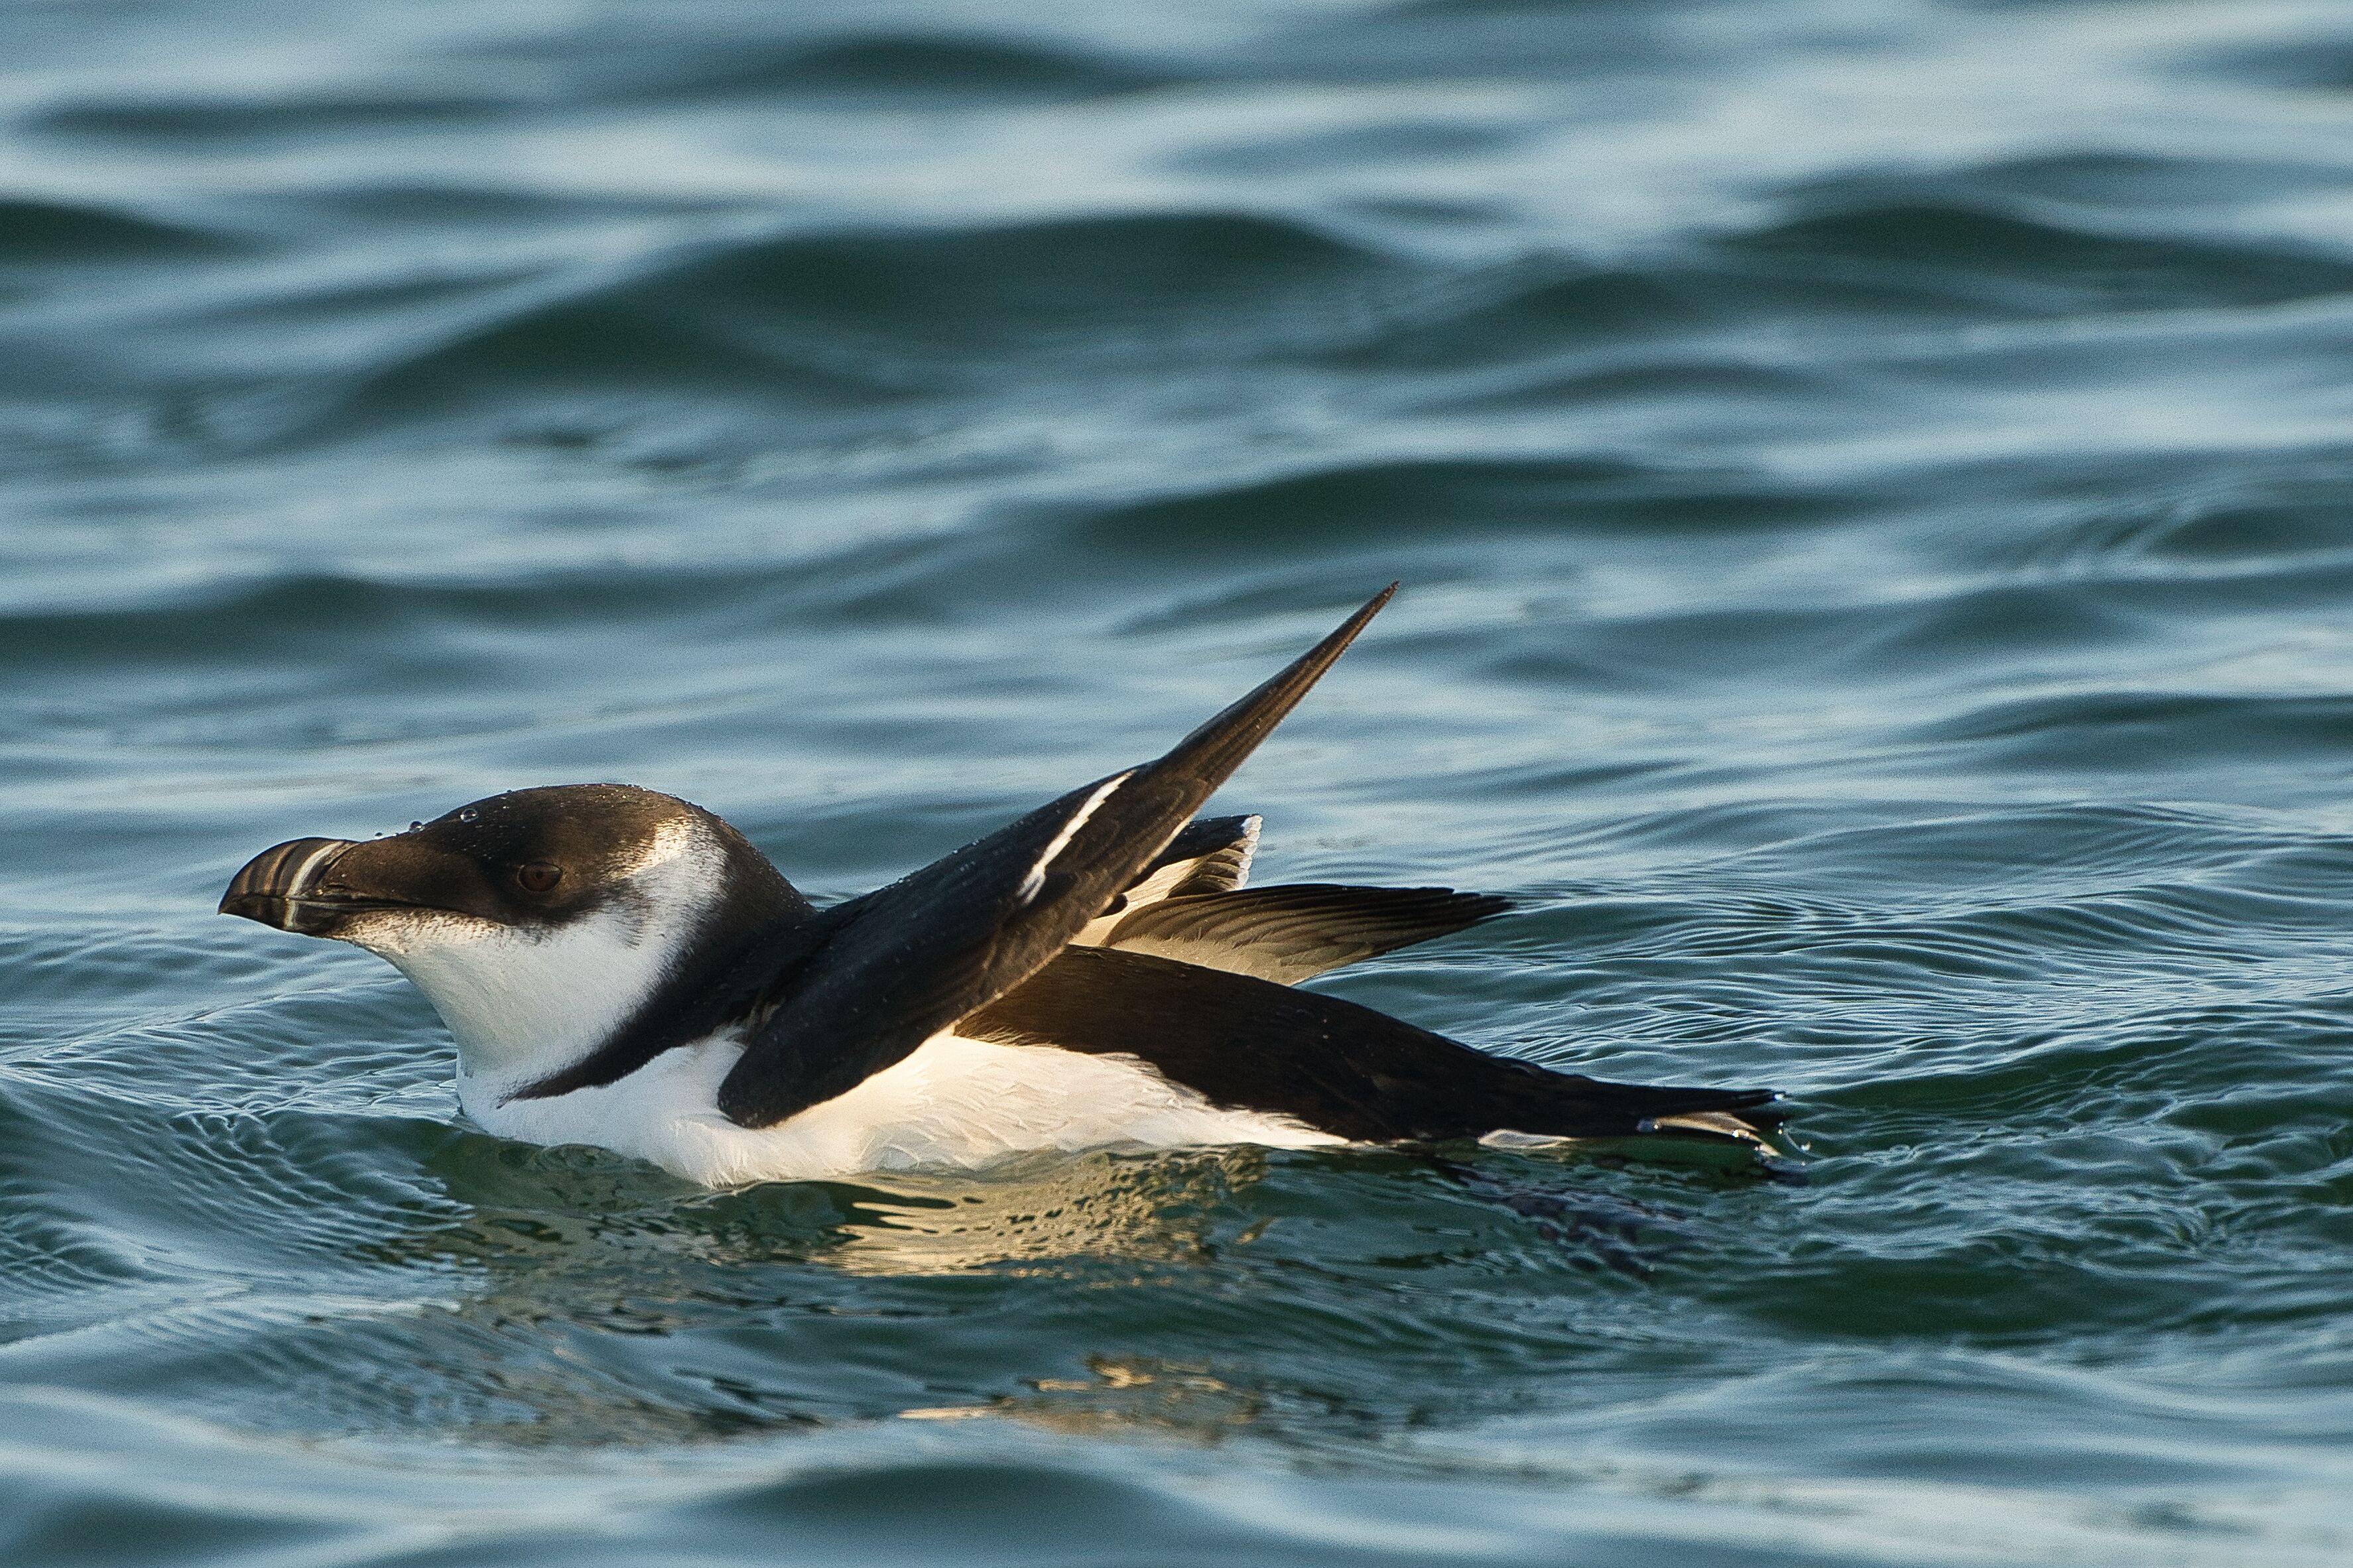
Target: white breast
x,y
525,1003
955,1104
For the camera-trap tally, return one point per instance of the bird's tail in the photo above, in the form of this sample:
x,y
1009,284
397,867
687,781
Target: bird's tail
x,y
1729,1126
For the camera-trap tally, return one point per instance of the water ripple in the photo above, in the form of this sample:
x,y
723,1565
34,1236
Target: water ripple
x,y
1871,487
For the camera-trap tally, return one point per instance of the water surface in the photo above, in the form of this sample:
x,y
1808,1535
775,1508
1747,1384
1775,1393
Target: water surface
x,y
1871,483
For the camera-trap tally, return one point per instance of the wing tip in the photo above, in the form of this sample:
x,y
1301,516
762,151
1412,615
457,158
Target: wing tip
x,y
1346,632
1216,747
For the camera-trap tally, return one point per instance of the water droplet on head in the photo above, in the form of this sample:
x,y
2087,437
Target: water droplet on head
x,y
467,814
414,826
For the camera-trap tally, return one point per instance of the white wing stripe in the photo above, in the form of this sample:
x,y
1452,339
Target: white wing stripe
x,y
1035,882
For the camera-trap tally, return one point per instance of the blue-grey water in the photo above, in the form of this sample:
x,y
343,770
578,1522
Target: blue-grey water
x,y
1873,480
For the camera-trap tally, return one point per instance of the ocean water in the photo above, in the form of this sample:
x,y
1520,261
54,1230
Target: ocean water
x,y
1873,484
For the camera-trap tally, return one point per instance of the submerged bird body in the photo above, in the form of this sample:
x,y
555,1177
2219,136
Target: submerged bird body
x,y
953,1104
623,969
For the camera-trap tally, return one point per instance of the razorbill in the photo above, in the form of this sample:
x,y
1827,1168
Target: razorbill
x,y
624,969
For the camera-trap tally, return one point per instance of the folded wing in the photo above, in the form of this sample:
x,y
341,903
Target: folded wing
x,y
1337,1066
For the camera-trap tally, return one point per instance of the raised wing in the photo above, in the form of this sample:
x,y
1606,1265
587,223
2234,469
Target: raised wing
x,y
1291,933
925,950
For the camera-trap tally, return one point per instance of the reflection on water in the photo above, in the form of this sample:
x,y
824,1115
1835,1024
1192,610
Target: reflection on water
x,y
1039,1218
1144,1279
1122,1399
530,1208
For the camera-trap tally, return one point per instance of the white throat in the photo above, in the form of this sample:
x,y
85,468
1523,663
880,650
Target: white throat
x,y
523,1005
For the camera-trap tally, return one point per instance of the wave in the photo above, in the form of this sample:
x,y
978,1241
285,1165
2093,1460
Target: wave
x,y
2119,730
2024,264
860,322
854,319
66,233
936,69
1875,538
180,120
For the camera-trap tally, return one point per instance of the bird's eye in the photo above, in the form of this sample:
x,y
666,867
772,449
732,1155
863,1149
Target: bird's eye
x,y
539,877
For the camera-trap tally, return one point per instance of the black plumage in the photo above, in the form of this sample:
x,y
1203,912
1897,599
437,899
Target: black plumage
x,y
1343,1068
1105,923
954,936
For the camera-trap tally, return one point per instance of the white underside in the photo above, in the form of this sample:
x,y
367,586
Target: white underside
x,y
955,1104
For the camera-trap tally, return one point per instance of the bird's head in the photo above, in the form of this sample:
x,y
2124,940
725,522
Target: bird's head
x,y
538,922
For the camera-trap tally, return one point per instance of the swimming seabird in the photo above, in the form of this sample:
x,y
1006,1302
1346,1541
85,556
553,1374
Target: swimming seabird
x,y
621,968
